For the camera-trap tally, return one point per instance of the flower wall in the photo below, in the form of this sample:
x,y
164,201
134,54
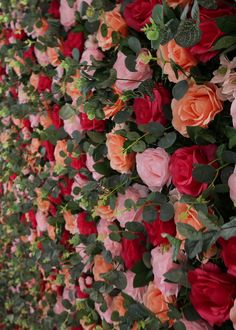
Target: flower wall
x,y
117,162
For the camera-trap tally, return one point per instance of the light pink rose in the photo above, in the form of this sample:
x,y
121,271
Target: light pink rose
x,y
161,263
41,219
89,163
134,193
87,57
103,234
67,14
22,96
232,186
232,314
229,87
58,307
107,314
153,168
135,293
233,112
196,325
34,120
134,79
69,294
42,57
80,249
72,124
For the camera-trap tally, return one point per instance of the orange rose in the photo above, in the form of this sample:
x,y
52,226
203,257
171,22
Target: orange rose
x,y
157,302
105,212
100,267
179,55
52,54
111,110
184,213
45,120
118,305
115,23
61,146
51,231
34,146
34,80
71,88
43,205
196,108
71,224
120,161
175,3
40,31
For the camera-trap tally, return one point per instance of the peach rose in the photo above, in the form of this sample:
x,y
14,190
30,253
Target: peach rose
x,y
111,110
34,146
157,302
43,205
72,124
52,54
42,57
71,88
40,31
45,120
118,305
175,3
61,146
197,107
34,80
184,213
115,23
71,223
51,231
105,212
181,56
100,267
119,161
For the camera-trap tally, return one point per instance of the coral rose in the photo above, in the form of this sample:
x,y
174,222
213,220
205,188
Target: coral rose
x,y
181,56
197,107
153,168
118,305
61,146
100,267
112,109
157,302
119,160
114,23
71,223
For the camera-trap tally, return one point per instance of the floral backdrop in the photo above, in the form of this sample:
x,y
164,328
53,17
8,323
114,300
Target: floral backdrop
x,y
117,162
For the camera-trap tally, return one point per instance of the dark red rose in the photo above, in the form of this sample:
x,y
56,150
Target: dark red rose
x,y
86,227
26,123
65,185
132,250
228,254
181,167
78,163
55,200
74,40
54,9
212,293
14,93
29,53
52,210
49,150
44,83
32,219
210,32
91,125
138,13
156,228
54,115
147,111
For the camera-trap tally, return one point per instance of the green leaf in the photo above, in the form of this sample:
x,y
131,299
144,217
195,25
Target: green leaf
x,y
104,30
115,237
189,312
70,3
134,226
228,230
130,63
175,243
122,116
166,212
188,231
224,42
76,54
149,213
153,128
179,326
139,146
157,14
129,235
167,140
207,221
142,279
103,168
204,173
200,135
96,136
229,156
66,112
180,89
195,11
208,4
134,44
177,276
193,247
117,278
188,33
132,136
226,24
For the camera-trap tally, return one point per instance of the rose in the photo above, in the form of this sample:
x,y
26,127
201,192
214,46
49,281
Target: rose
x,y
70,222
118,304
103,234
233,314
203,50
91,125
132,250
138,13
119,161
54,9
49,150
73,40
116,106
232,186
42,29
135,293
228,254
67,14
44,83
100,267
181,56
90,163
181,167
233,112
156,228
147,110
72,125
85,227
175,3
153,168
212,293
196,325
114,23
54,114
60,147
127,79
197,107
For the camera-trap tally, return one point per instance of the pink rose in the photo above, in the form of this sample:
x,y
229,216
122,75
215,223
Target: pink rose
x,y
105,315
134,79
134,193
89,163
196,325
153,168
103,232
67,14
161,263
233,112
42,57
135,293
232,186
72,124
41,219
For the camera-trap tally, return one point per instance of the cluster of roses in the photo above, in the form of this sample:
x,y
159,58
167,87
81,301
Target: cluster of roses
x,y
141,188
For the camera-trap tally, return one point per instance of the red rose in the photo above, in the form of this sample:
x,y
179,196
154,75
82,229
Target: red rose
x,y
74,40
65,185
85,227
32,218
147,110
49,150
44,83
78,163
156,228
29,53
212,293
181,167
54,9
54,115
132,250
91,125
210,33
229,254
138,13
